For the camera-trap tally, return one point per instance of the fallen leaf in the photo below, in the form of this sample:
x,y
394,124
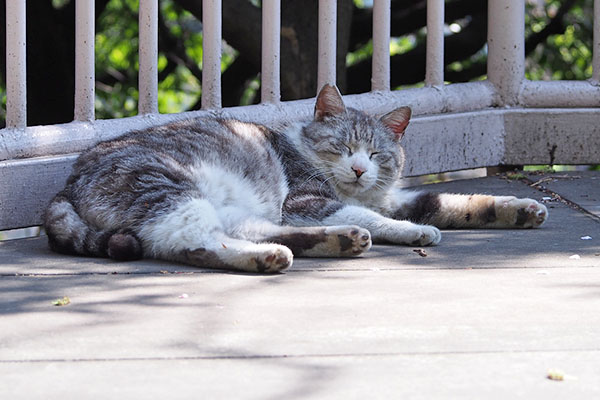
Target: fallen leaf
x,y
575,257
515,175
555,375
420,252
223,244
62,302
162,271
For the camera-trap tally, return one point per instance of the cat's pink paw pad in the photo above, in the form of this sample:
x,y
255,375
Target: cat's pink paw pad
x,y
275,260
540,212
531,216
352,240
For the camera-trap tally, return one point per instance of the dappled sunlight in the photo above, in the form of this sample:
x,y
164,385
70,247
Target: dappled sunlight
x,y
478,291
482,313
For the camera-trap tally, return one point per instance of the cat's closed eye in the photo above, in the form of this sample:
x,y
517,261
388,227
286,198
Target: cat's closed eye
x,y
350,152
373,153
329,150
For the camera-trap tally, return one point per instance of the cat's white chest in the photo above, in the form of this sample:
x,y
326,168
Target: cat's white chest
x,y
375,200
236,197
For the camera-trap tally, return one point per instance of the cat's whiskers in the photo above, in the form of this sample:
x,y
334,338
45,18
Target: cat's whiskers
x,y
315,175
325,181
381,184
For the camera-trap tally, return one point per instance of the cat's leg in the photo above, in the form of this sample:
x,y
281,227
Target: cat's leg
x,y
385,229
241,255
310,241
193,233
312,209
446,210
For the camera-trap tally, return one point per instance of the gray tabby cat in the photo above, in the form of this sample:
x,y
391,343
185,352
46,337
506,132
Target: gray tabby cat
x,y
234,195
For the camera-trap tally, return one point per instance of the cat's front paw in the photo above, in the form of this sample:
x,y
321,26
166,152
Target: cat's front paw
x,y
350,240
521,213
426,235
408,233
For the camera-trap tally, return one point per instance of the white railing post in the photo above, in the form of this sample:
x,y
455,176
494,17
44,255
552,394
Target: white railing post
x,y
327,43
380,77
596,45
84,60
506,48
434,68
16,68
270,69
148,56
211,54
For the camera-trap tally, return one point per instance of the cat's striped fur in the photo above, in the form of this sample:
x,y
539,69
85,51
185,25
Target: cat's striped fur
x,y
234,195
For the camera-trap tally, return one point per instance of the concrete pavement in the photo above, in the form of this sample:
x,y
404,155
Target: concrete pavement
x,y
485,315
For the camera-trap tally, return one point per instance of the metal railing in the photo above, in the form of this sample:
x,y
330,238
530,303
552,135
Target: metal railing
x,y
506,83
476,109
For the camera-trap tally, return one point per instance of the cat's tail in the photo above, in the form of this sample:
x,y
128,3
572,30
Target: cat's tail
x,y
69,234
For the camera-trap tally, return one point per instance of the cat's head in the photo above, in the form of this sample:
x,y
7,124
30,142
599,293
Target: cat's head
x,y
358,152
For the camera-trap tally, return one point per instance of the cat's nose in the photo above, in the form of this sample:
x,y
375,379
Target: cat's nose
x,y
358,171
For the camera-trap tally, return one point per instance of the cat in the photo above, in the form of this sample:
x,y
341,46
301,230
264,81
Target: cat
x,y
228,194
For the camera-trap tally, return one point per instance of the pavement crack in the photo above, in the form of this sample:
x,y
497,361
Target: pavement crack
x,y
235,357
571,204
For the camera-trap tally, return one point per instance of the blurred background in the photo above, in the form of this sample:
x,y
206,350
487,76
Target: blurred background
x,y
558,46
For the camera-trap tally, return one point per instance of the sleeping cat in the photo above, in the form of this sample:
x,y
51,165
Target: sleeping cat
x,y
234,195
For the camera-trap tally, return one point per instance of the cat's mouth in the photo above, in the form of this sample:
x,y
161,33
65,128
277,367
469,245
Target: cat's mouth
x,y
355,185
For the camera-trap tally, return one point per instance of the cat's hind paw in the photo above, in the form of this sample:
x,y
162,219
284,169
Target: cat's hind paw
x,y
523,213
275,259
535,214
350,240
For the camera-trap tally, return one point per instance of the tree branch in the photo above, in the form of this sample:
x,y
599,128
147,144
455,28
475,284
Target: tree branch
x,y
409,16
555,26
409,68
174,50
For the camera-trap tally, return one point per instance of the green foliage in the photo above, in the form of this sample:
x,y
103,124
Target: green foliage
x,y
117,60
178,91
550,169
2,106
59,3
363,3
561,56
565,56
402,44
546,169
359,55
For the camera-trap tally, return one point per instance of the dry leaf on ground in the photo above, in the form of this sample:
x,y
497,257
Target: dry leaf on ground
x,y
420,252
62,302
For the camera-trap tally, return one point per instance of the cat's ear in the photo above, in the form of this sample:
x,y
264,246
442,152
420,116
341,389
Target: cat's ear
x,y
329,102
397,120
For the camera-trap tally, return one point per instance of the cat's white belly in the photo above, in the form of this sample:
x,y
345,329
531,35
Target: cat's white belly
x,y
236,198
